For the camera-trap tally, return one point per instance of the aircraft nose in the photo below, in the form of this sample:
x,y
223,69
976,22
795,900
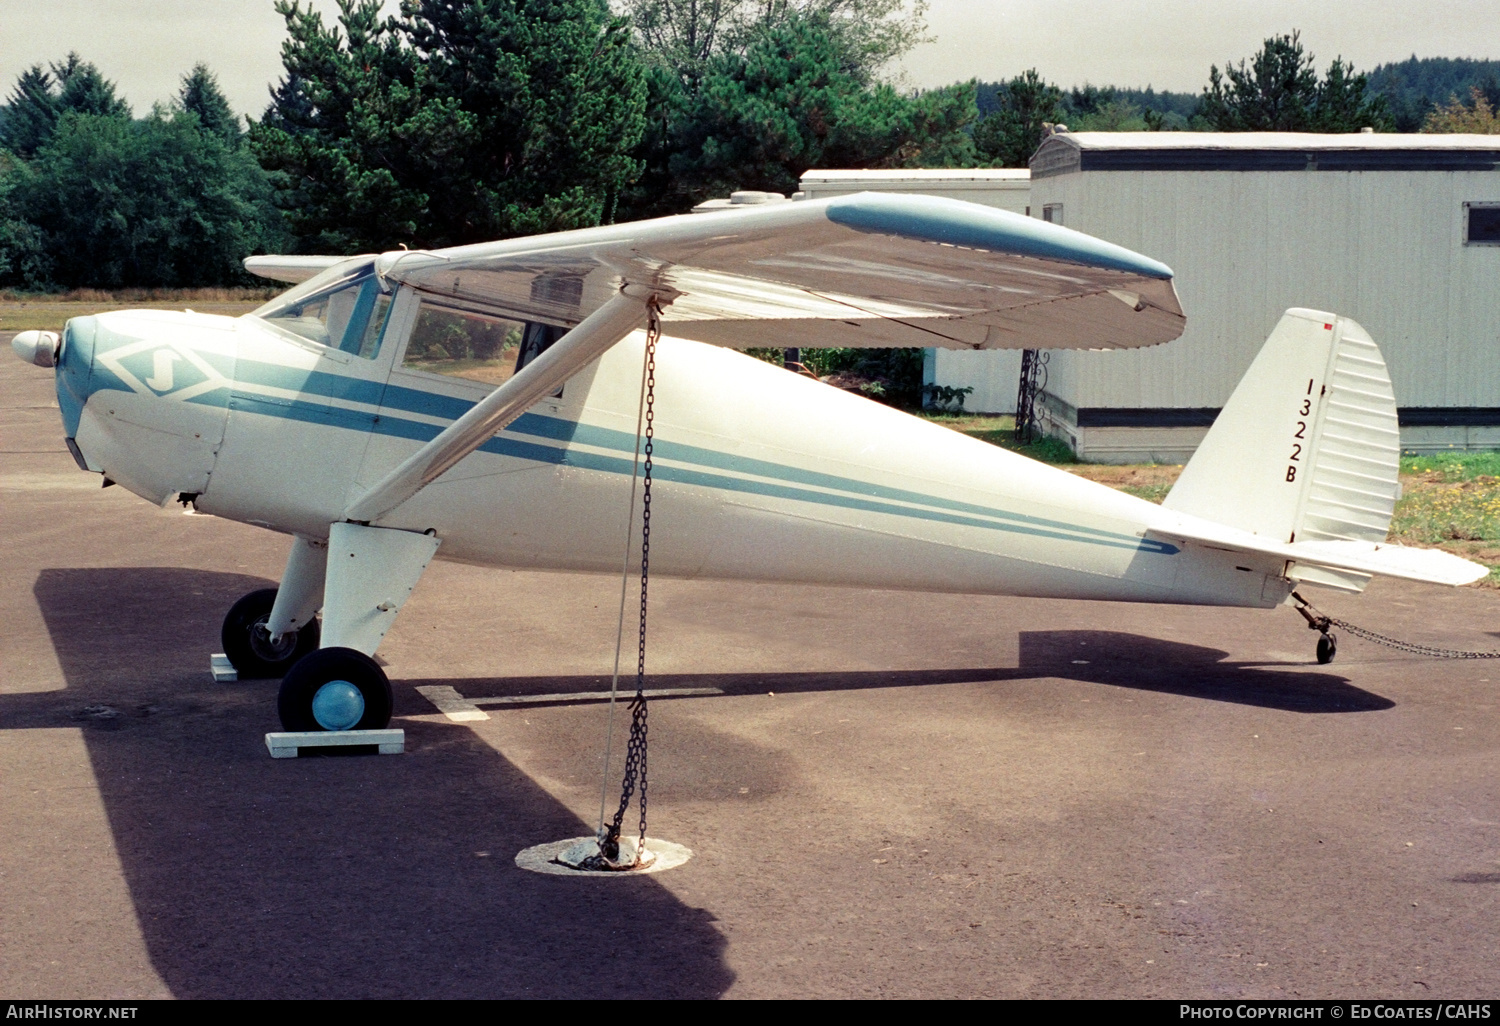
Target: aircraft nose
x,y
74,358
39,348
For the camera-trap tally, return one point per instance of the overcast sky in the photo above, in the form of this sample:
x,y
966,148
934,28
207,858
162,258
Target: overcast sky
x,y
145,46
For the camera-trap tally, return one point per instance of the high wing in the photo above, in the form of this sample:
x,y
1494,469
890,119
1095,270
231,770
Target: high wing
x,y
295,269
872,269
869,270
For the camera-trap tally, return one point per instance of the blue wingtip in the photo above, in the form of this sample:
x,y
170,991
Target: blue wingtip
x,y
937,219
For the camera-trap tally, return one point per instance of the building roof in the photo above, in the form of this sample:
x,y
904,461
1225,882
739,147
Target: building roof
x,y
947,178
1065,152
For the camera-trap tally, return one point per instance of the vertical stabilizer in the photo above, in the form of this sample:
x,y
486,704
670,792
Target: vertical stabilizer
x,y
1307,449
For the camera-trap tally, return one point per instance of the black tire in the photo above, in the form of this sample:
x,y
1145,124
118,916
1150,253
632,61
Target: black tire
x,y
1328,647
249,647
335,666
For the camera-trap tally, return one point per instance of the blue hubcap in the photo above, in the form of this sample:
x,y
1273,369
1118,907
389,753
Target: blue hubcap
x,y
338,705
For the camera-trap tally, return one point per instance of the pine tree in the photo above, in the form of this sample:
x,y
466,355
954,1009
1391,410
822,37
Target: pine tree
x,y
31,115
791,103
41,97
200,95
461,121
83,90
289,110
1008,137
1279,91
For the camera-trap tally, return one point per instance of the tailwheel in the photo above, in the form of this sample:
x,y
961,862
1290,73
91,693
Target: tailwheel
x,y
1328,647
335,689
250,647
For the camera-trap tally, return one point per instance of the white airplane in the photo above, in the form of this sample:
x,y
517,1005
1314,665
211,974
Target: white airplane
x,y
368,413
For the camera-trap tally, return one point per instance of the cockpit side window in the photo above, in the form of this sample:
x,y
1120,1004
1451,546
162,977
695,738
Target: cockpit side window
x,y
461,343
456,342
348,313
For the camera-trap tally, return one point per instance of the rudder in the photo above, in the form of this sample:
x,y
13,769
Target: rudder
x,y
1307,448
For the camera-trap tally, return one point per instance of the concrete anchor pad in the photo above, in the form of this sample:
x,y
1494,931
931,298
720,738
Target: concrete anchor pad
x,y
560,858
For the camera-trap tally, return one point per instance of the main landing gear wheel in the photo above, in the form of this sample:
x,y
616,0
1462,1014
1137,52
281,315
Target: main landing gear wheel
x,y
1328,647
248,644
335,689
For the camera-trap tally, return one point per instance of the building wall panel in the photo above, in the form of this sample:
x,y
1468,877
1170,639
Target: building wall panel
x,y
1383,247
994,375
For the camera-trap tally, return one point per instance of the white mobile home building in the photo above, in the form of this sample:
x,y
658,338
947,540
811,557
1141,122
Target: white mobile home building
x,y
1399,232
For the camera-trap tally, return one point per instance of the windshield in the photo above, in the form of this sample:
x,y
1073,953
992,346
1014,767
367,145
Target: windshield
x,y
343,308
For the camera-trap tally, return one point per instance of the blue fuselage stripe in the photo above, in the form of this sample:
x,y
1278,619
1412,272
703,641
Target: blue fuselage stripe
x,y
843,492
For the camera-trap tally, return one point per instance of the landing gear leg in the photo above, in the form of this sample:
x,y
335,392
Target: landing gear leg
x,y
301,590
269,630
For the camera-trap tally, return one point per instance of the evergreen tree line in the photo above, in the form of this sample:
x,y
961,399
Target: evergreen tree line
x,y
1417,88
1278,89
460,121
90,196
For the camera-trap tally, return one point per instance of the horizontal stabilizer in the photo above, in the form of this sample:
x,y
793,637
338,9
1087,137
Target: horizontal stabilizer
x,y
1432,565
1358,557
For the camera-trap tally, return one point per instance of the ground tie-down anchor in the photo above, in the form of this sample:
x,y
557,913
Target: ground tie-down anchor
x,y
570,858
608,852
1328,642
630,853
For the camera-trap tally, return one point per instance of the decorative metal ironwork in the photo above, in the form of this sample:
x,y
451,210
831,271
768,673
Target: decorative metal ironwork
x,y
1033,384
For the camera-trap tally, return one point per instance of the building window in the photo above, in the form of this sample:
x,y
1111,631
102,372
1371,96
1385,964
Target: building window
x,y
1052,213
1482,224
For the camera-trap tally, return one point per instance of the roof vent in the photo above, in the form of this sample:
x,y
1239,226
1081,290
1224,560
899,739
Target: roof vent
x,y
741,198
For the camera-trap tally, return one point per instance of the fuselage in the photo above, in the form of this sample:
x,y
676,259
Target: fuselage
x,y
758,474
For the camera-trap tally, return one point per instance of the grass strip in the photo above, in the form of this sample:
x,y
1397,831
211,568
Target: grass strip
x,y
25,311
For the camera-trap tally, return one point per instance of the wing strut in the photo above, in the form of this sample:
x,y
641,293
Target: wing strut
x,y
595,334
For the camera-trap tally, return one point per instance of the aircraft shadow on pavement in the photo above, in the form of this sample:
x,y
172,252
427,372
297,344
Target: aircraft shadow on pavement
x,y
1193,671
366,877
1092,657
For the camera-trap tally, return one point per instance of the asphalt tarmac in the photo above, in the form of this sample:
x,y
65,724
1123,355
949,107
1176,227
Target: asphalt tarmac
x,y
894,795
